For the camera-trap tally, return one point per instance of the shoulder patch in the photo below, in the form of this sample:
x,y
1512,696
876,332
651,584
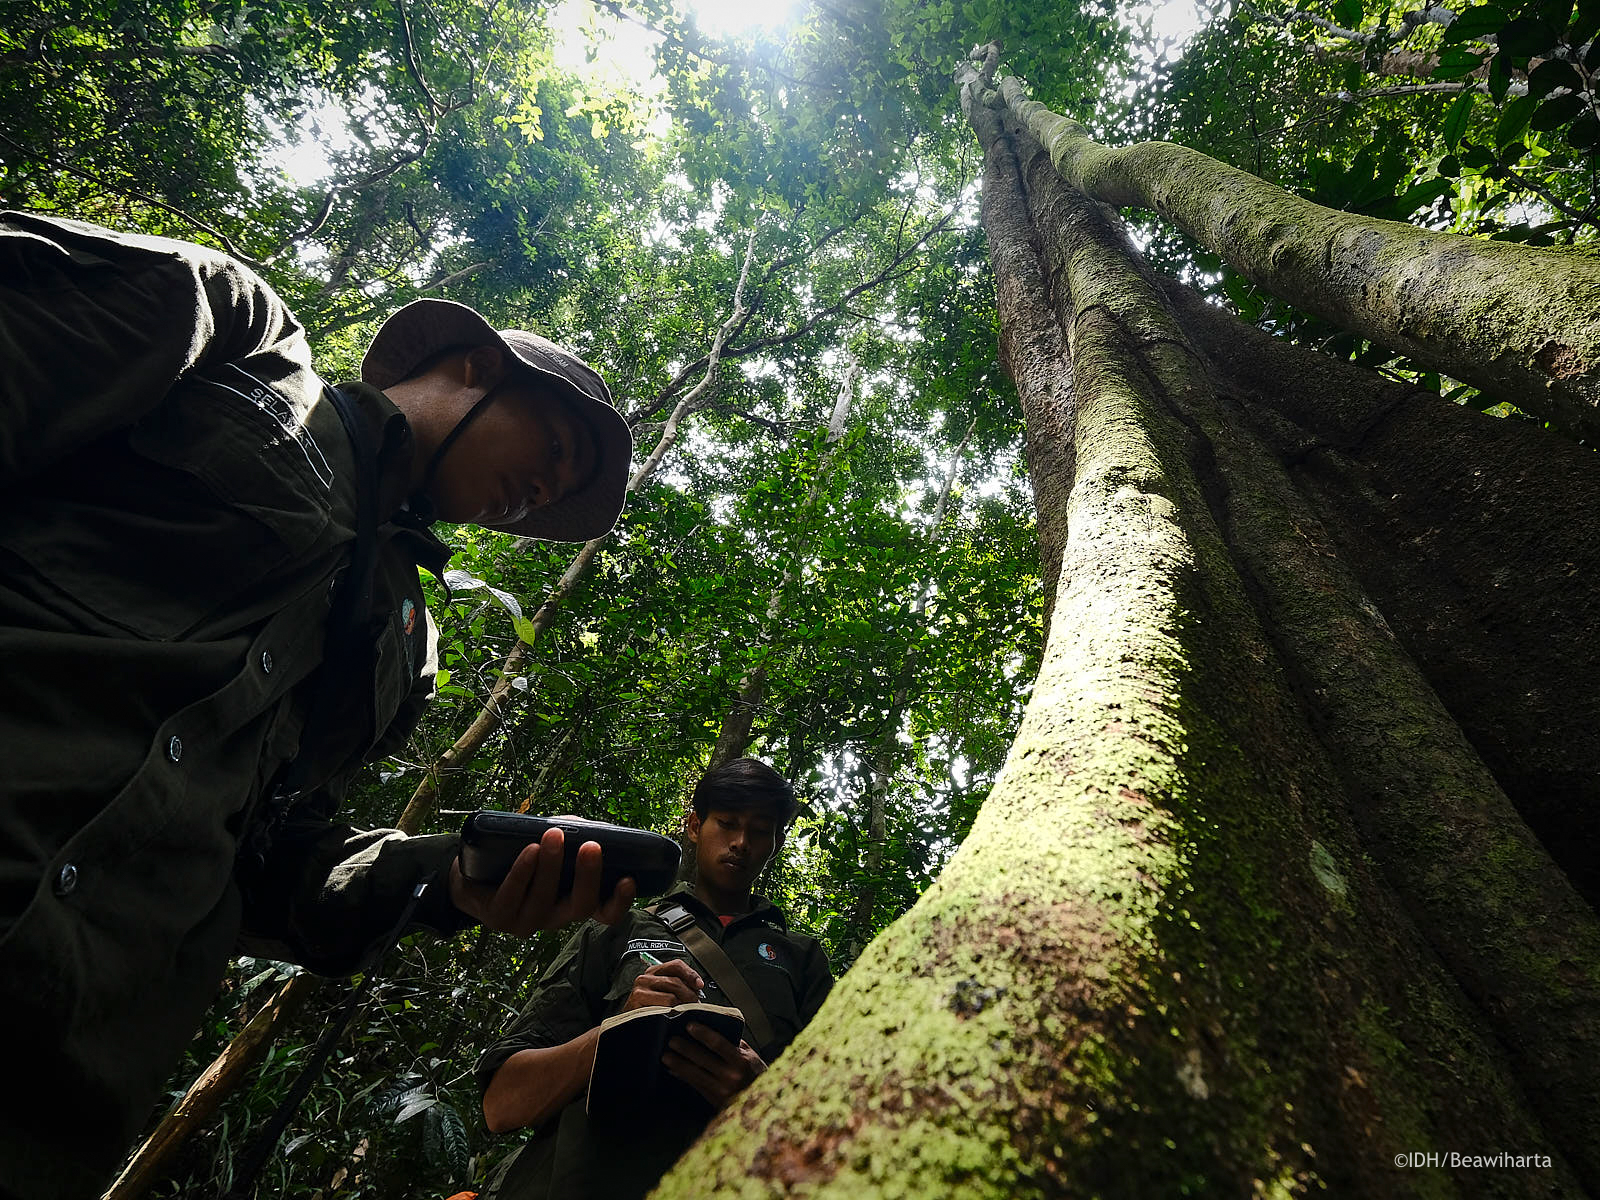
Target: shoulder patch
x,y
654,946
284,414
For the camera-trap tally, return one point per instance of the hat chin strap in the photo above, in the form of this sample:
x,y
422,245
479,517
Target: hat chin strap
x,y
423,510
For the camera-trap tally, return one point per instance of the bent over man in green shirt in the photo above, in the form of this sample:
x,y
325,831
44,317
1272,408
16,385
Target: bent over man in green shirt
x,y
192,524
538,1073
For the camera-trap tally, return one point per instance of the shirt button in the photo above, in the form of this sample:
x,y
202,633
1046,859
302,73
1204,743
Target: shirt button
x,y
175,748
66,879
266,662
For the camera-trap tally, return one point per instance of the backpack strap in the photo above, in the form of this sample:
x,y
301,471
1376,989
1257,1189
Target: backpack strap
x,y
718,965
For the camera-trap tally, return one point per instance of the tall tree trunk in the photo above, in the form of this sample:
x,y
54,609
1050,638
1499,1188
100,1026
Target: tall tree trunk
x,y
1454,304
1249,911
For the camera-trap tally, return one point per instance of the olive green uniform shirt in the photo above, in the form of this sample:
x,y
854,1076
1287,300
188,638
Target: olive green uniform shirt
x,y
572,1158
178,502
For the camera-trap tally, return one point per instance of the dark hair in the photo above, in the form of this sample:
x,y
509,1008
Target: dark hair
x,y
743,784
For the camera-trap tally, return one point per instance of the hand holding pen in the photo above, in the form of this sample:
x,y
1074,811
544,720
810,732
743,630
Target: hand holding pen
x,y
665,984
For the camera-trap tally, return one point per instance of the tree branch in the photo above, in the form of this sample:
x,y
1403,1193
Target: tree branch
x,y
435,109
1409,23
893,270
1584,216
25,58
1445,87
777,427
223,240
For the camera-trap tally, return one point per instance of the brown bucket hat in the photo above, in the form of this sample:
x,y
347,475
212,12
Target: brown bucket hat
x,y
424,328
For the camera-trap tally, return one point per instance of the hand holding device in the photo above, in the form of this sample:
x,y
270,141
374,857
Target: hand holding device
x,y
491,842
528,898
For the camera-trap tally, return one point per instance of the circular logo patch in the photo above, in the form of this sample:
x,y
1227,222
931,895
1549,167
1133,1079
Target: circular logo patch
x,y
766,951
408,614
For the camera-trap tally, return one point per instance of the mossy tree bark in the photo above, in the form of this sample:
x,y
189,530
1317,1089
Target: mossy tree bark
x,y
1255,906
1455,304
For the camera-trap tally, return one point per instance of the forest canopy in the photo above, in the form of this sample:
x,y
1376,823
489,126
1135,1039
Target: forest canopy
x,y
767,237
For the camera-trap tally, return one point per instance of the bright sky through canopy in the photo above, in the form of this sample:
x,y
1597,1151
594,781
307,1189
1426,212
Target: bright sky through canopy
x,y
626,53
1173,19
629,47
743,16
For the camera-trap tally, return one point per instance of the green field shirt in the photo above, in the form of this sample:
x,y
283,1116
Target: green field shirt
x,y
572,1158
178,502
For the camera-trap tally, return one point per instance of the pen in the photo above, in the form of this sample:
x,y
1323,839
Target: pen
x,y
656,962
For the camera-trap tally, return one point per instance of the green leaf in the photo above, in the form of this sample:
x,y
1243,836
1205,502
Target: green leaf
x,y
1555,12
444,1141
1585,133
1475,22
1420,195
1556,112
1455,121
1500,76
465,581
413,1102
1347,13
1551,74
1586,24
1457,62
1527,36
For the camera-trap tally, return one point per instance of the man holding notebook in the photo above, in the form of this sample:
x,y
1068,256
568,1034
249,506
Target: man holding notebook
x,y
712,942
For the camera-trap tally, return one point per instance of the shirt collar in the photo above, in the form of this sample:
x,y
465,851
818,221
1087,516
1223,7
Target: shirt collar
x,y
396,447
392,434
760,907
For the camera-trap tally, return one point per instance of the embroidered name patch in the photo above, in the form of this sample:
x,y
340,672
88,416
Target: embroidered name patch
x,y
283,414
655,946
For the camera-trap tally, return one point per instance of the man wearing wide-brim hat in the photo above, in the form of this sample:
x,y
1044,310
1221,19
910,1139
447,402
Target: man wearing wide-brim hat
x,y
210,617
